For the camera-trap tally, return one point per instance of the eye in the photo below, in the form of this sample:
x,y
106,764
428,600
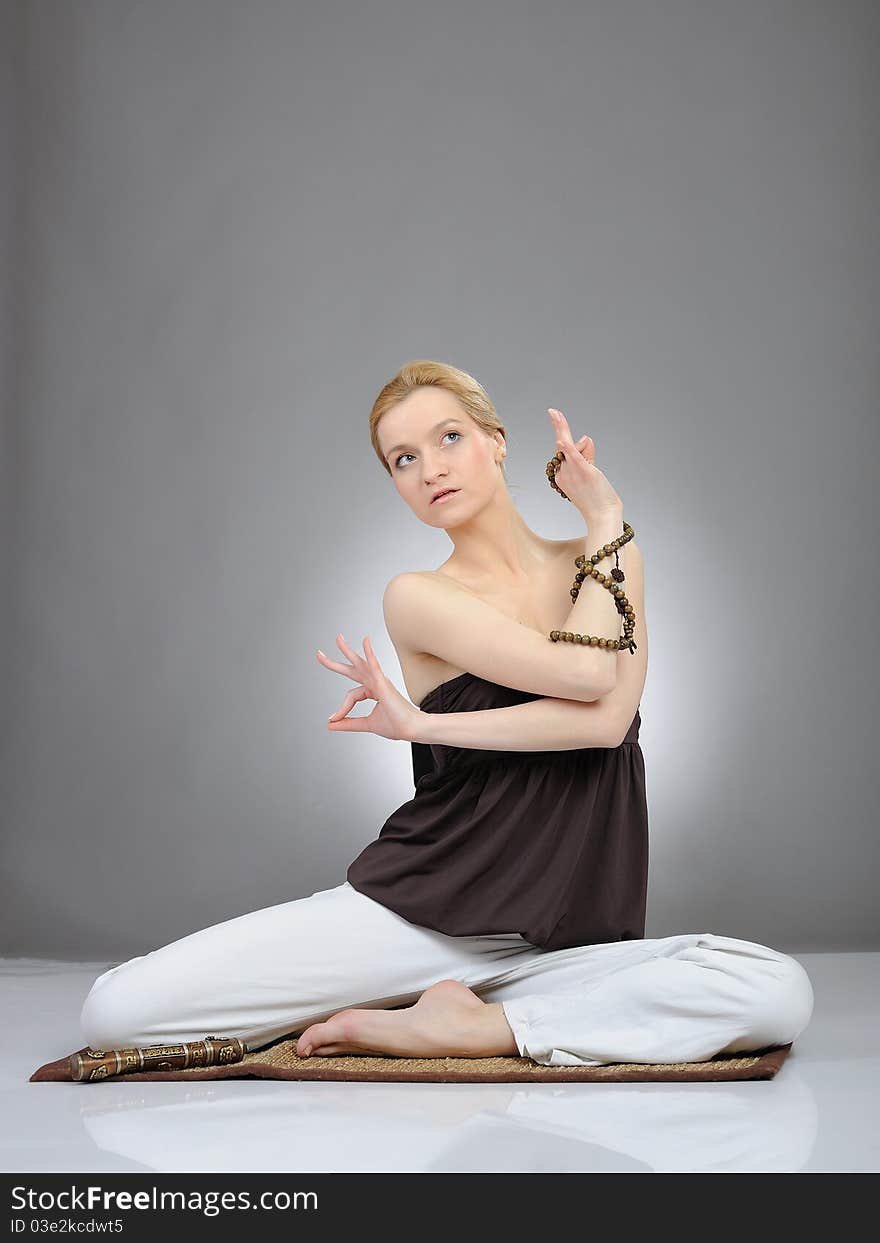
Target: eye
x,y
403,455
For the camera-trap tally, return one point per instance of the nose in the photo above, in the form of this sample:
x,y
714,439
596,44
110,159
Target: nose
x,y
434,479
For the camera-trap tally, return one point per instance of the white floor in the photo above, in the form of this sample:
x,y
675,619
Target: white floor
x,y
818,1115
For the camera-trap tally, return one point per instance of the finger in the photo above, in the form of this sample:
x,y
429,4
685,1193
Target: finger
x,y
353,656
559,424
372,661
572,452
340,720
584,447
587,448
565,442
349,725
350,699
563,431
336,666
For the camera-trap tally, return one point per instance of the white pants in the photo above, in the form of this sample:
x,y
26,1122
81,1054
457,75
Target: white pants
x,y
275,971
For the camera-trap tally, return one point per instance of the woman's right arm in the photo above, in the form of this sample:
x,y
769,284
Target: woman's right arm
x,y
540,725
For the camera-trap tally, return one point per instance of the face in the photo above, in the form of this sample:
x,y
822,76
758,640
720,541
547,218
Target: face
x,y
429,442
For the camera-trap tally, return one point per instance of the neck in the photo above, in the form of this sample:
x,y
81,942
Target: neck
x,y
497,544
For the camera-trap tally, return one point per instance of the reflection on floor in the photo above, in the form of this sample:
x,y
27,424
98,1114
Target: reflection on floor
x,y
817,1115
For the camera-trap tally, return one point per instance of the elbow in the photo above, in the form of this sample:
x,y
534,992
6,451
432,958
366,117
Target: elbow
x,y
604,674
598,679
607,675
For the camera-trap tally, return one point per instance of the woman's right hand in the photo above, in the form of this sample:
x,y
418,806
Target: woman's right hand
x,y
578,475
393,717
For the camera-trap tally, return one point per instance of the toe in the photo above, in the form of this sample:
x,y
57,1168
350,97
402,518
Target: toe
x,y
308,1040
321,1037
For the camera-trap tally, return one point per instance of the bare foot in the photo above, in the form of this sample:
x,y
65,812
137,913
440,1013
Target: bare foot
x,y
448,1020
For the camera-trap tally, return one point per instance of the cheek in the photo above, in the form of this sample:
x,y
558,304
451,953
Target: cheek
x,y
407,490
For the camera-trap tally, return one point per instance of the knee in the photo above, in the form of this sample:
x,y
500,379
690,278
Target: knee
x,y
785,1004
108,1019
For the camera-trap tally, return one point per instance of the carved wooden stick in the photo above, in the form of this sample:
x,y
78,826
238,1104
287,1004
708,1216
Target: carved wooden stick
x,y
88,1065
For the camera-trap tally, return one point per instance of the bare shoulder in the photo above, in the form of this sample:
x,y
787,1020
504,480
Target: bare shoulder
x,y
433,617
397,599
404,589
407,580
401,586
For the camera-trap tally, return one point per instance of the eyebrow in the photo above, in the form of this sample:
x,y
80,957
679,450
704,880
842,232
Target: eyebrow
x,y
435,428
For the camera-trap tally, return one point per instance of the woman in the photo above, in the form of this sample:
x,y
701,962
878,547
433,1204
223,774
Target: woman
x,y
501,910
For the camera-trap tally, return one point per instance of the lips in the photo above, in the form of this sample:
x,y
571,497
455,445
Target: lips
x,y
445,492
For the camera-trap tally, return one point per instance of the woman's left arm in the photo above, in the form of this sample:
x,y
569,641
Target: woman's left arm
x,y
546,724
550,724
622,702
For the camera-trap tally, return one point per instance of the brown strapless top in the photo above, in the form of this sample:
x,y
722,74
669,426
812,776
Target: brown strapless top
x,y
550,844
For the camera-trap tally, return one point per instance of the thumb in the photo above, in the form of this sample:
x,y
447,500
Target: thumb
x,y
585,446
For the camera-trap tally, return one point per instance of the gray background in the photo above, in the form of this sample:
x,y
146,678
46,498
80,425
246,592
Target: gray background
x,y
224,227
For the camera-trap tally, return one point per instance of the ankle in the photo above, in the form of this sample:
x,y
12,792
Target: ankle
x,y
494,1033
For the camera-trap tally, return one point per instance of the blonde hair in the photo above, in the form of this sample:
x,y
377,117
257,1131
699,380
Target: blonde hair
x,y
424,372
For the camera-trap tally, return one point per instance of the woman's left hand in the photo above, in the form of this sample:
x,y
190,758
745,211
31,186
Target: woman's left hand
x,y
393,717
578,476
